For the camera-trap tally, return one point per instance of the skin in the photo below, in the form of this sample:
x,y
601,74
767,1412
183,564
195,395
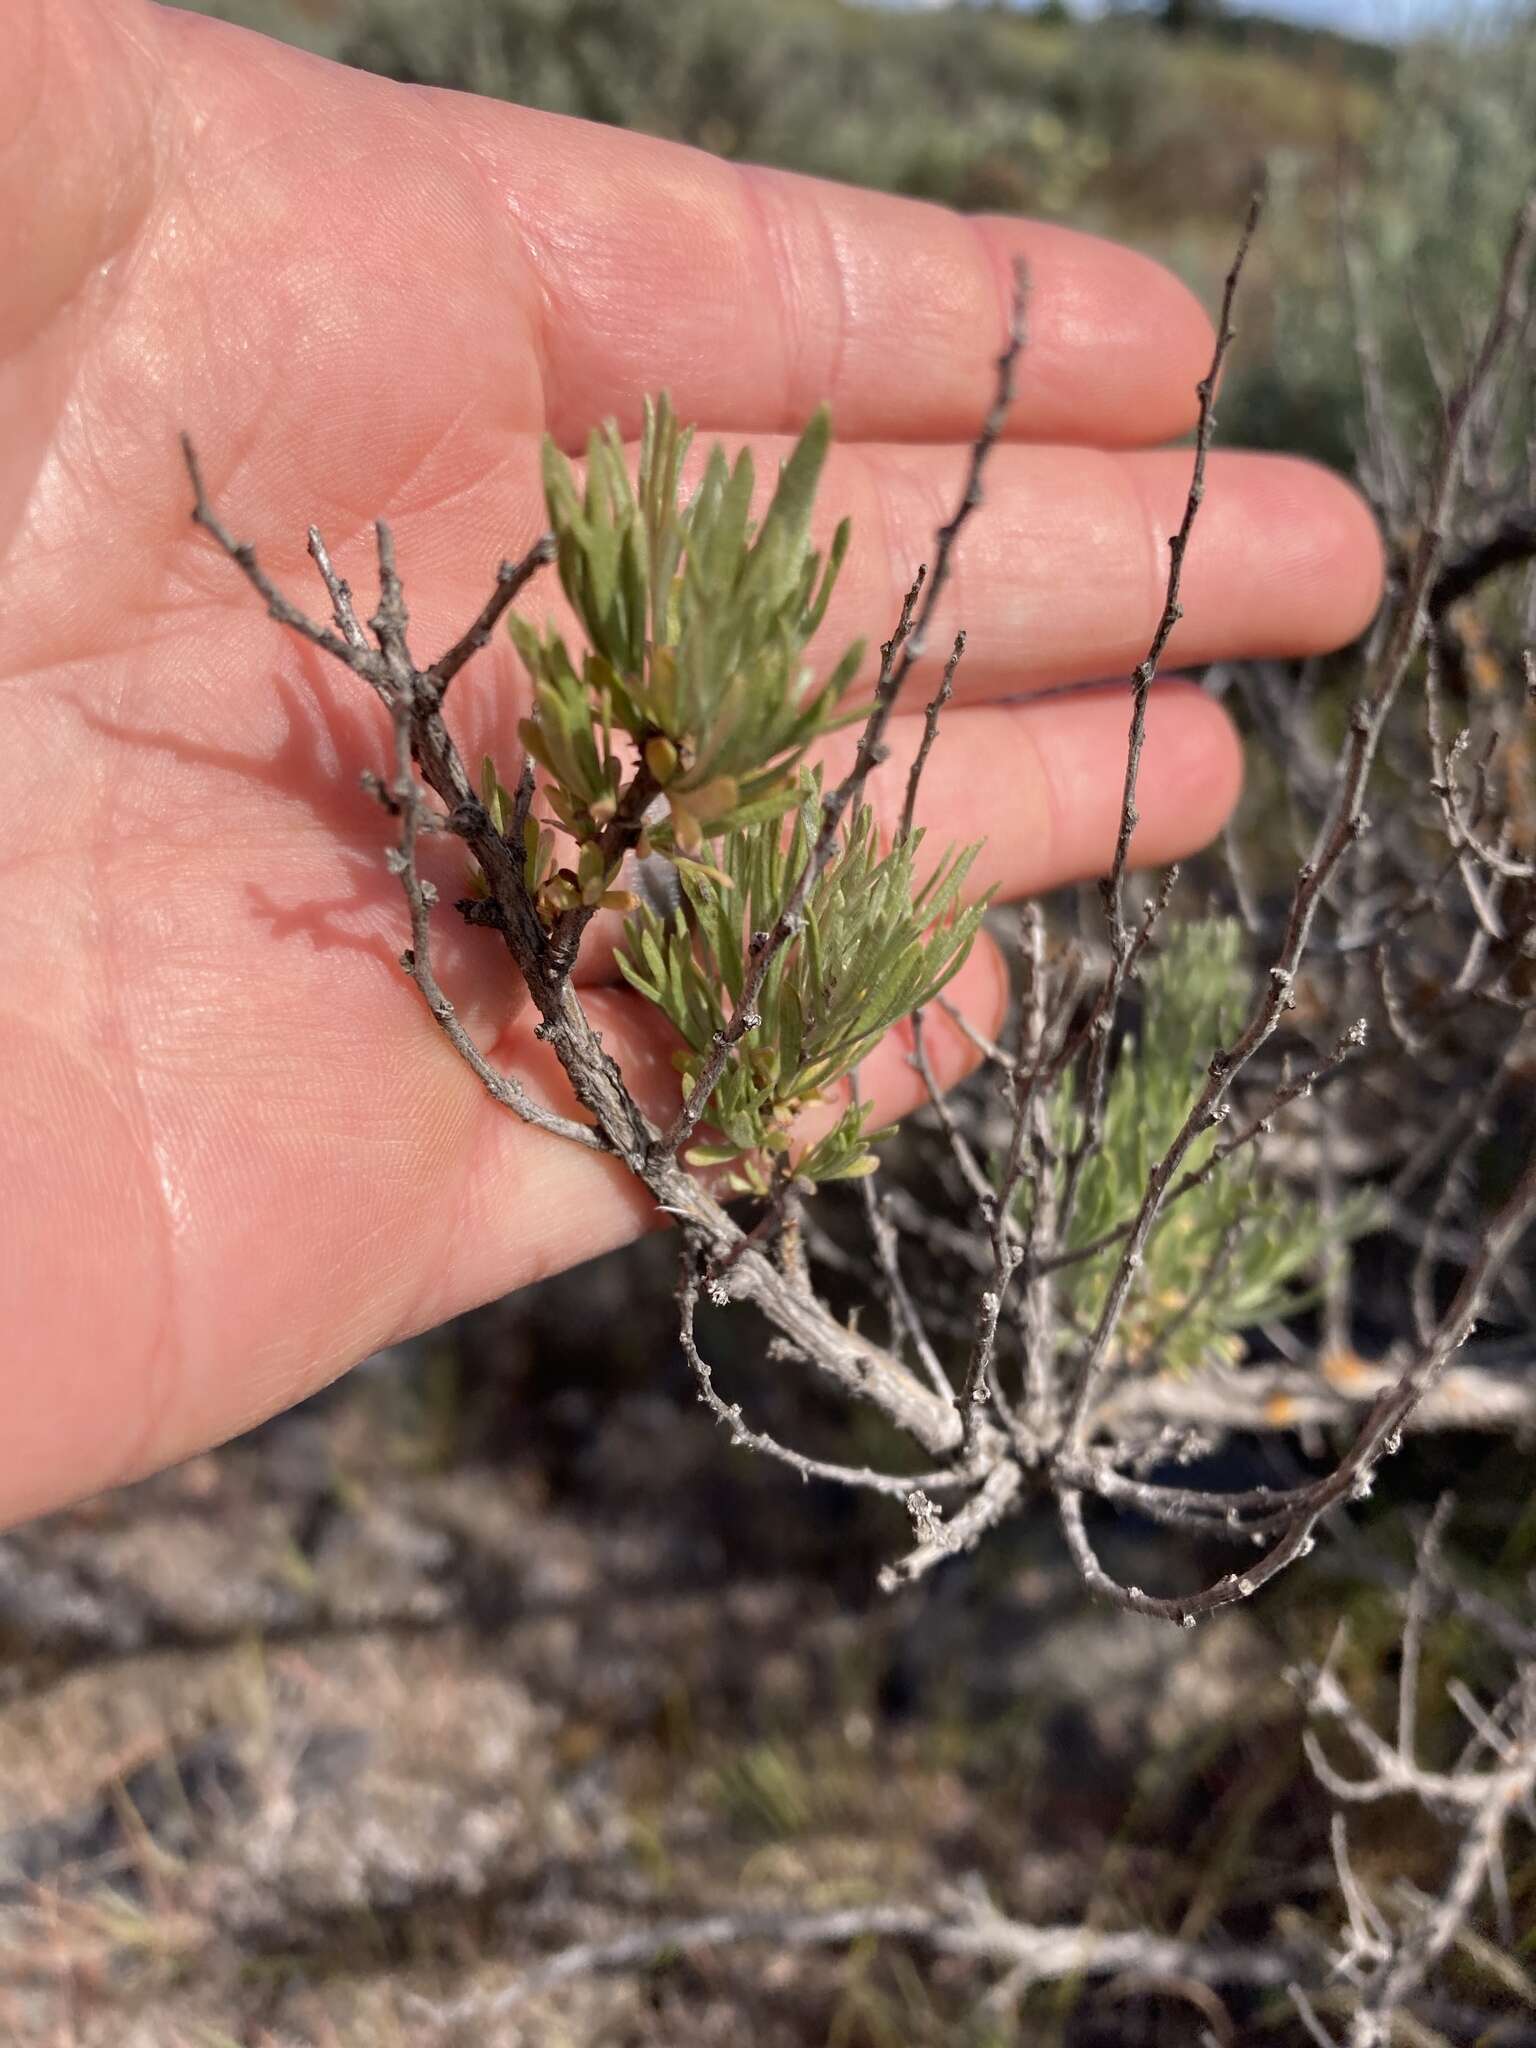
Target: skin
x,y
235,1154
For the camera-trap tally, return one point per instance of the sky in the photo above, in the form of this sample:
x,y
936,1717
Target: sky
x,y
1383,18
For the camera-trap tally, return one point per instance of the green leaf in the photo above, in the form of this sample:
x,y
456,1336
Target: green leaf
x,y
712,1155
789,514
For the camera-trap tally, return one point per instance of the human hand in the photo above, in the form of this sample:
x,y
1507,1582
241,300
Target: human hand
x,y
235,1152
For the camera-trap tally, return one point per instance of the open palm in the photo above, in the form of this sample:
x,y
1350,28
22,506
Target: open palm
x,y
235,1154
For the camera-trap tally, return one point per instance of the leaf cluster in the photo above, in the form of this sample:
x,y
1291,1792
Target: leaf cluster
x,y
696,621
871,947
1229,1253
554,888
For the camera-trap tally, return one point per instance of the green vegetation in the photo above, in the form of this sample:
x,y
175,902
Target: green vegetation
x,y
873,947
1431,204
1228,1254
697,625
690,709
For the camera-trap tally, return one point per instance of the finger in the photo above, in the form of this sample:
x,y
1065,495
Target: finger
x,y
751,294
1040,784
72,193
1061,575
755,294
1060,578
61,212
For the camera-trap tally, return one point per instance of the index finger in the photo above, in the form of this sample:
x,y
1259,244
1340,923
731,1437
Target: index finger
x,y
753,295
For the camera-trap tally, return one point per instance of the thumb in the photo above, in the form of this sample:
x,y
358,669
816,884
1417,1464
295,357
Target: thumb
x,y
76,150
78,86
